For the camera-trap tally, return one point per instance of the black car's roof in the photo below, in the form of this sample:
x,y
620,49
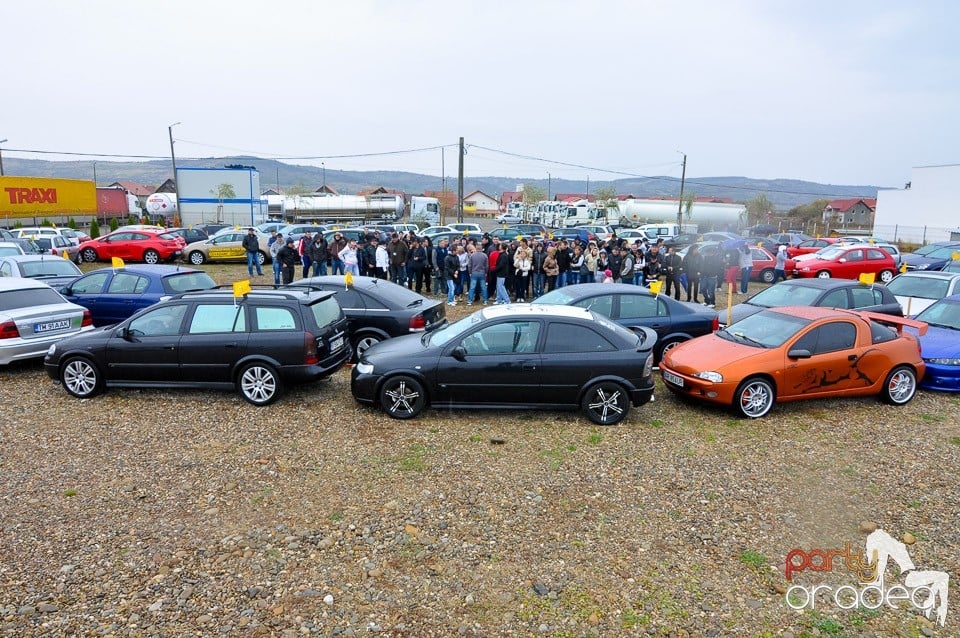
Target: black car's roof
x,y
825,284
304,294
377,287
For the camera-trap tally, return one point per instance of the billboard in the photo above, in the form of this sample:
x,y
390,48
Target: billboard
x,y
227,195
45,197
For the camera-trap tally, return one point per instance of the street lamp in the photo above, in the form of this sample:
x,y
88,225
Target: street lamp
x,y
173,160
1,156
683,178
323,166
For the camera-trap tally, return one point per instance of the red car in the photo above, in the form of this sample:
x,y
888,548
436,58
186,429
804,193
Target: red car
x,y
148,246
764,263
810,246
849,262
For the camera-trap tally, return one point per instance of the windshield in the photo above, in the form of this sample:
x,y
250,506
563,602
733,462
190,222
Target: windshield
x,y
767,329
831,253
29,298
49,268
446,334
557,297
944,314
923,287
7,251
785,294
929,249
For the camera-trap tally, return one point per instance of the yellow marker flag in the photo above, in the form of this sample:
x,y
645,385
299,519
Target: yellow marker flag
x,y
867,278
348,280
116,262
760,244
955,256
550,236
236,227
466,232
65,255
655,287
903,267
872,241
519,237
241,288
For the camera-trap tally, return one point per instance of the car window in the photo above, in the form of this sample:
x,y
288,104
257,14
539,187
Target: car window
x,y
185,282
863,297
274,318
91,284
602,305
509,337
880,333
209,318
854,255
49,267
326,312
118,237
127,284
139,236
372,303
637,306
923,287
348,298
875,253
830,337
226,238
569,337
758,255
835,299
6,270
160,322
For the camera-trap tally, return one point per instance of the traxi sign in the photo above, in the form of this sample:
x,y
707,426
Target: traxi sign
x,y
32,195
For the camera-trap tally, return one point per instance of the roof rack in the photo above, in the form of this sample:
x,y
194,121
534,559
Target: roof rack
x,y
287,292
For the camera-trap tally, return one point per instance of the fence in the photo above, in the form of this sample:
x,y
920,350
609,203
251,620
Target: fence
x,y
916,234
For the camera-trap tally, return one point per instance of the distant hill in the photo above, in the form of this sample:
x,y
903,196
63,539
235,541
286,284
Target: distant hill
x,y
784,193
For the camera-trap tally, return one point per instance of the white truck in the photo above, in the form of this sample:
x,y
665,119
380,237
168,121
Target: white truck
x,y
582,212
425,210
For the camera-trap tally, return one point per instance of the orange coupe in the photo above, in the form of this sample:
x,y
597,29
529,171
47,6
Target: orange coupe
x,y
794,352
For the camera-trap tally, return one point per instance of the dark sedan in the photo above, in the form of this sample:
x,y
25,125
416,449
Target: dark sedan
x,y
932,256
632,306
516,356
377,310
827,293
112,295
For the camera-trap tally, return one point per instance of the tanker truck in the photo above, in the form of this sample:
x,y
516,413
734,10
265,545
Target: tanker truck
x,y
715,215
162,205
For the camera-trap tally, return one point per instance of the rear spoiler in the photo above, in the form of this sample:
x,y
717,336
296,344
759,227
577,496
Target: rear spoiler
x,y
898,322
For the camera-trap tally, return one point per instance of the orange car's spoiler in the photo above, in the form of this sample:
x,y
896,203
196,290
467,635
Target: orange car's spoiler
x,y
899,322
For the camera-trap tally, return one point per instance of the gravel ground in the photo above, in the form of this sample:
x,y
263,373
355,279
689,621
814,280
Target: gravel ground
x,y
175,513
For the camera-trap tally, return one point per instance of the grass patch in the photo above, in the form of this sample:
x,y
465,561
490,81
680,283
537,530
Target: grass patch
x,y
860,617
336,516
631,618
931,417
70,492
475,438
594,438
955,440
657,423
754,559
413,461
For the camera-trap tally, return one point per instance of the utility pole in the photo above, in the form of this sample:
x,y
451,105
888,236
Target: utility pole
x,y
549,180
683,178
176,182
460,185
1,156
94,173
588,188
443,184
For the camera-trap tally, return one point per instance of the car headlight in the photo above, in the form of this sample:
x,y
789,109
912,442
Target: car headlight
x,y
51,349
713,377
648,367
923,266
365,368
941,361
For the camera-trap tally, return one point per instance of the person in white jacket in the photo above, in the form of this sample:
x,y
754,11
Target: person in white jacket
x,y
383,261
349,258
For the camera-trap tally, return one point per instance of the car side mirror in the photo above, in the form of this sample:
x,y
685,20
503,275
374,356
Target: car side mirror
x,y
842,260
125,333
66,291
459,353
799,353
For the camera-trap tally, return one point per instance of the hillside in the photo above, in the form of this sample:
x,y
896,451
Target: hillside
x,y
784,193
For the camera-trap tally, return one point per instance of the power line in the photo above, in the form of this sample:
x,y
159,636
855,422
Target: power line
x,y
326,157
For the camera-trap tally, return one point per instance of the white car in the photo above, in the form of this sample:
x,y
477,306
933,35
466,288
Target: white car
x,y
48,231
603,233
406,228
430,231
10,248
919,289
33,316
509,218
466,228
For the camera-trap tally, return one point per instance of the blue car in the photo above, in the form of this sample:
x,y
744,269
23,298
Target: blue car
x,y
941,345
932,256
111,295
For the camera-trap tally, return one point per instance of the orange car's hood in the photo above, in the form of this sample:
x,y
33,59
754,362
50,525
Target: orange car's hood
x,y
709,352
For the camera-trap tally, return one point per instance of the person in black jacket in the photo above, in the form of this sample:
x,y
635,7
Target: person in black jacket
x,y
369,261
317,251
451,272
563,256
711,269
693,267
289,258
252,245
416,264
673,267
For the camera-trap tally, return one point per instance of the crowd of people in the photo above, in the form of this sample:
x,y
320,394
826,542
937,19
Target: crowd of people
x,y
494,270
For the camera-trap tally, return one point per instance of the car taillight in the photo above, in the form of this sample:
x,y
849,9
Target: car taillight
x,y
8,330
87,319
310,357
418,322
716,324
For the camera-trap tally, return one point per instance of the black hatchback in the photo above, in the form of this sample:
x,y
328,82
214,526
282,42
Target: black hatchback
x,y
210,339
377,309
516,356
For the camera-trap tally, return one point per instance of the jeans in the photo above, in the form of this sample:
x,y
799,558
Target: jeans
x,y
573,278
709,286
744,278
354,269
398,273
562,279
336,267
502,296
277,271
305,260
539,281
778,275
480,279
253,261
521,283
319,268
693,287
450,289
637,278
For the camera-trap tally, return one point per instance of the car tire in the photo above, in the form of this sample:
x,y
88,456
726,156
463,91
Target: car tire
x,y
402,397
363,342
259,383
78,258
900,386
669,344
88,254
754,398
823,274
886,276
261,257
81,377
767,275
151,257
197,258
605,403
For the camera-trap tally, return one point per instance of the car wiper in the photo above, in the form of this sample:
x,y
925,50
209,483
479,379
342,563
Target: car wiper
x,y
415,302
942,325
744,337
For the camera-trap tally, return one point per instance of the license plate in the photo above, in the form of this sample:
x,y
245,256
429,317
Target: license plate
x,y
51,325
336,344
669,377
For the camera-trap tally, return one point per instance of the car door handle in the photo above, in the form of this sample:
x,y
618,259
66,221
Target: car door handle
x,y
169,347
528,366
232,344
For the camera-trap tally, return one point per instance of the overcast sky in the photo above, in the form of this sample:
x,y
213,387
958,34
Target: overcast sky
x,y
835,92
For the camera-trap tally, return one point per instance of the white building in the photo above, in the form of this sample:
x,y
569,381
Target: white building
x,y
924,211
480,203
